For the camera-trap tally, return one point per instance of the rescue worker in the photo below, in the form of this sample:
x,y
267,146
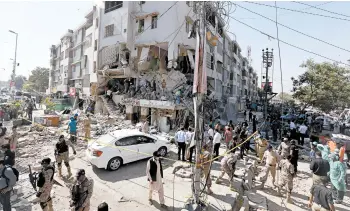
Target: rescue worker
x,y
284,148
87,127
228,166
261,145
154,172
270,159
294,152
205,158
72,128
62,154
286,176
45,183
337,177
81,192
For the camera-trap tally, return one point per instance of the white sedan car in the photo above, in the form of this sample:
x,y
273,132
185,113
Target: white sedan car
x,y
124,146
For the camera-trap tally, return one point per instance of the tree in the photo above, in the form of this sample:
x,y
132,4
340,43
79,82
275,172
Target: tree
x,y
38,80
19,81
322,85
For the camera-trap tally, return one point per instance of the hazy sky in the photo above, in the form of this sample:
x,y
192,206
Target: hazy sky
x,y
41,24
333,31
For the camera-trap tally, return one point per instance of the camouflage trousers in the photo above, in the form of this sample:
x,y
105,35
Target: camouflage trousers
x,y
285,181
45,198
206,175
62,157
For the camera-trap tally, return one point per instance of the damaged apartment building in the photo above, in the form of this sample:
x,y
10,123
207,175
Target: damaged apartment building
x,y
142,53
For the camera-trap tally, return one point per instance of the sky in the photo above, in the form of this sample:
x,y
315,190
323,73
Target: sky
x,y
333,31
42,23
39,25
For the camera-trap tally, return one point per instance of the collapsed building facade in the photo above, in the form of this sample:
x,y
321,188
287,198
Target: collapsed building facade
x,y
142,53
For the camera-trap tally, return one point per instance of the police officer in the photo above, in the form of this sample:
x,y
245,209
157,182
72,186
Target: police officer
x,y
62,153
45,183
81,192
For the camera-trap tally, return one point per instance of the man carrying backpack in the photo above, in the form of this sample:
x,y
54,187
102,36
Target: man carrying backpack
x,y
9,156
8,180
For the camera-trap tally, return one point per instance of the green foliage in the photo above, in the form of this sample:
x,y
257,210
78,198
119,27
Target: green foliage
x,y
49,104
38,80
323,85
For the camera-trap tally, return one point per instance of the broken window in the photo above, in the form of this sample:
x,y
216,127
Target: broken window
x,y
112,5
154,22
109,30
187,27
141,25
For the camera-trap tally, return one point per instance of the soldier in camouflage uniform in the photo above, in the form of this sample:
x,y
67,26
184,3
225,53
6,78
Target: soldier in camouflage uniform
x,y
45,183
228,166
286,176
205,157
82,192
62,154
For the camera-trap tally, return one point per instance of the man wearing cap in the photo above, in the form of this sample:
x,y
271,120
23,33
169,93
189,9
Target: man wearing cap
x,y
9,156
270,159
81,192
261,145
62,154
45,183
72,128
154,172
284,148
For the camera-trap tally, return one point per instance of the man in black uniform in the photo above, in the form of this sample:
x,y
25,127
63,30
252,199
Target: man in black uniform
x,y
9,156
62,154
294,152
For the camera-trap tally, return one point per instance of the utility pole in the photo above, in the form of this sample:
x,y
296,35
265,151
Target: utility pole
x,y
13,76
267,63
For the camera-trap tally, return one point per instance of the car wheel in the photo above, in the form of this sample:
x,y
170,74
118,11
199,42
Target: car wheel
x,y
162,151
114,164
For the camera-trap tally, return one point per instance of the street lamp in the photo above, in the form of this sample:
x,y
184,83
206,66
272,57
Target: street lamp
x,y
15,61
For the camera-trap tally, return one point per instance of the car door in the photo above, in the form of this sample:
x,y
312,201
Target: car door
x,y
128,149
146,146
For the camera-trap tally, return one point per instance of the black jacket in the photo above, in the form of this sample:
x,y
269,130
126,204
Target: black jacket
x,y
153,169
9,158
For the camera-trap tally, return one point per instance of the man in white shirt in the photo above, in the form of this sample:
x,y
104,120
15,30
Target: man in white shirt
x,y
292,125
217,140
293,131
181,137
211,131
302,131
190,143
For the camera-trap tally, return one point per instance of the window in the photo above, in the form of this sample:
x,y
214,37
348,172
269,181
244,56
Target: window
x,y
144,140
112,5
96,23
109,30
95,46
187,27
141,25
85,60
94,66
154,22
126,141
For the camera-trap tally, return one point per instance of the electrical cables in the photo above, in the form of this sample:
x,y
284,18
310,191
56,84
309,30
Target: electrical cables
x,y
292,45
299,11
315,7
294,29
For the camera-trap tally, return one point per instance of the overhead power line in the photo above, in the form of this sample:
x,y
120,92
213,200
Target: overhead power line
x,y
315,7
299,11
294,29
307,8
292,45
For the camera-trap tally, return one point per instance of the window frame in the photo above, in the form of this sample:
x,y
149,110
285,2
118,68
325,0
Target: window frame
x,y
109,30
139,27
154,22
112,5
